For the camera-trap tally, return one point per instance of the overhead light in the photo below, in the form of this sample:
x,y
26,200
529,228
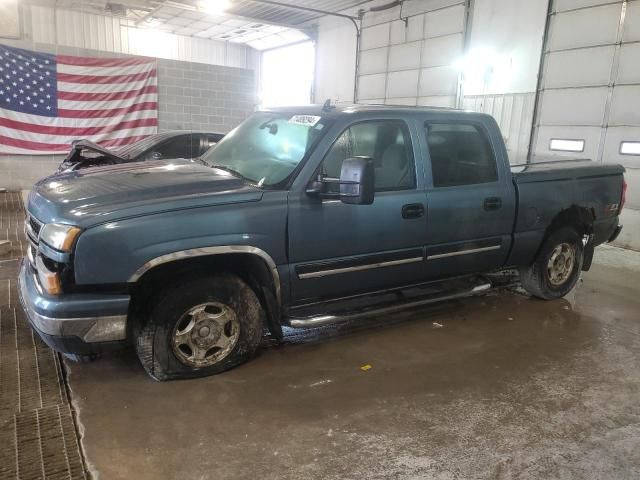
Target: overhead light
x,y
214,7
630,148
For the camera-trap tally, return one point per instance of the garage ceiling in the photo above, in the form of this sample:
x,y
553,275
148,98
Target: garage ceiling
x,y
257,24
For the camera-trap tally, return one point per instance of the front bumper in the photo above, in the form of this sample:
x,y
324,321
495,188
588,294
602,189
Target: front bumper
x,y
81,323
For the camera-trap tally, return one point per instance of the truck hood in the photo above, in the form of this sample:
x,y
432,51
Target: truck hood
x,y
79,146
104,194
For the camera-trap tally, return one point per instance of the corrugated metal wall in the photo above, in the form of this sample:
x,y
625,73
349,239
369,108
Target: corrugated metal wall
x,y
111,34
514,114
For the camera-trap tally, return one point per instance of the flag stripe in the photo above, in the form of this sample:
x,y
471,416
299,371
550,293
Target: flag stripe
x,y
66,140
107,88
79,122
64,113
42,148
77,131
102,62
104,79
106,105
90,97
79,70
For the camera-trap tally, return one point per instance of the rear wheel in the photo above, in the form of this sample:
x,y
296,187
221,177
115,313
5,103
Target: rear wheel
x,y
557,267
201,327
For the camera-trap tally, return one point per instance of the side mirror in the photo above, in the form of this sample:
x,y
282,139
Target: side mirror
x,y
357,181
156,156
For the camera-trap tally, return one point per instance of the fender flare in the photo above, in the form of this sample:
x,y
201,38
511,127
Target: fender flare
x,y
208,251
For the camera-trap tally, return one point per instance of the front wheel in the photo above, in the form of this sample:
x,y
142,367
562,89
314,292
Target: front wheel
x,y
557,267
201,327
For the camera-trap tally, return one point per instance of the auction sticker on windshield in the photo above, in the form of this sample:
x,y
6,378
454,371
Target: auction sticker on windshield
x,y
306,120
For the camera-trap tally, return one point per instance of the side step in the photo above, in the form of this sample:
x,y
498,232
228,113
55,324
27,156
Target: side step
x,y
389,307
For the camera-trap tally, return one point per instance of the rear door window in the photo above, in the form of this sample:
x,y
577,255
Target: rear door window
x,y
460,155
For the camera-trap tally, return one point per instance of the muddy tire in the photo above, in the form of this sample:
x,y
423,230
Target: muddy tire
x,y
200,327
557,267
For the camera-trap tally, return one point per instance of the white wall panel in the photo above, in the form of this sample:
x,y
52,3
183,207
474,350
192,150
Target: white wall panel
x,y
625,105
403,84
629,65
372,86
421,6
398,32
585,28
444,22
374,61
404,101
564,5
415,28
577,106
438,81
335,60
404,56
438,101
375,37
583,67
442,51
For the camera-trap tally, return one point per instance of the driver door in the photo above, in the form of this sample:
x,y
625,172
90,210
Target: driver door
x,y
337,249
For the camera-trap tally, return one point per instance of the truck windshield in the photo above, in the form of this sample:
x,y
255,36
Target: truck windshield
x,y
267,147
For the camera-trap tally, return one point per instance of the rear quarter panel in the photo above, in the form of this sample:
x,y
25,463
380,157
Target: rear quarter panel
x,y
542,199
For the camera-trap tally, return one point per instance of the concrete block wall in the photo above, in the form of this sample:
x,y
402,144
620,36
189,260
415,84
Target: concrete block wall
x,y
191,96
197,96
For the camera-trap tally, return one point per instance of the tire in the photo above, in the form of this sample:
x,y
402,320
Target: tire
x,y
550,277
220,315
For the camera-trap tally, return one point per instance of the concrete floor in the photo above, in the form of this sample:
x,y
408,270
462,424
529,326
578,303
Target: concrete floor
x,y
506,387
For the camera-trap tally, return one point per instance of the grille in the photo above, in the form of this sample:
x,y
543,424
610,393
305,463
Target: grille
x,y
36,226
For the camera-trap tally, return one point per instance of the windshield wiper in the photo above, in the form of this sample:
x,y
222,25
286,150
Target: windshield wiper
x,y
232,172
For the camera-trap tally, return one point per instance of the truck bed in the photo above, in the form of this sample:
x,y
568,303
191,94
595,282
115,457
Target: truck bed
x,y
558,170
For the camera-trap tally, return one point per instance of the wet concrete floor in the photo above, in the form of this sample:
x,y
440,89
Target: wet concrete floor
x,y
506,387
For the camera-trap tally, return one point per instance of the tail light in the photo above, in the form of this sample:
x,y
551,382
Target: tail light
x,y
623,198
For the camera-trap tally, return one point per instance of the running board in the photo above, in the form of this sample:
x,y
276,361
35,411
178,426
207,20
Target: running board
x,y
322,320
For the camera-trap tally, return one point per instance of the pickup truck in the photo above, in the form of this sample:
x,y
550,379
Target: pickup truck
x,y
301,217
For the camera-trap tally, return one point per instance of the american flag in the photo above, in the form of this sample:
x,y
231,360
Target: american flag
x,y
47,101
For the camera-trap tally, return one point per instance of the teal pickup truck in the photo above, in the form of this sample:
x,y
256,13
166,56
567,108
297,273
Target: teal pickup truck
x,y
301,217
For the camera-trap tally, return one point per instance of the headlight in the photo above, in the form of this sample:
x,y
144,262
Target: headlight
x,y
58,236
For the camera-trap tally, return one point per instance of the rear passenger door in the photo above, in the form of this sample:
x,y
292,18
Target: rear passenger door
x,y
470,197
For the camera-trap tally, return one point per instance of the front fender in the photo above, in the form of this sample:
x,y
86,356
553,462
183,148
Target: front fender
x,y
119,252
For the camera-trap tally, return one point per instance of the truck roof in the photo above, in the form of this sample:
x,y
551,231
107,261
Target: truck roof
x,y
337,110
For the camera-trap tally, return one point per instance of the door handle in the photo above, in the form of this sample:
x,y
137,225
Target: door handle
x,y
412,210
492,203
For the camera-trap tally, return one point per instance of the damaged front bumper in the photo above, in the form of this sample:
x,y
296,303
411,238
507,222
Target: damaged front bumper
x,y
80,323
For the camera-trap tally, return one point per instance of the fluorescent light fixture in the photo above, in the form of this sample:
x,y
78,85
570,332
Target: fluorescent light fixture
x,y
630,148
214,7
565,145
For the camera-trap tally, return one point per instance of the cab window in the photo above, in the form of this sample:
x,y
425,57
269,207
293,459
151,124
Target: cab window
x,y
387,142
460,155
